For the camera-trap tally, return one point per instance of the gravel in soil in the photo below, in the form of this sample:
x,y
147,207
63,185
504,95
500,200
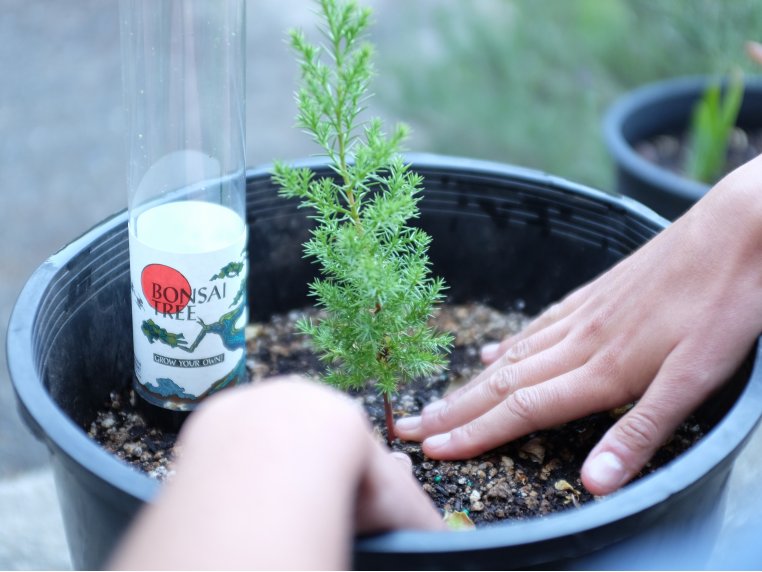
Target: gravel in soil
x,y
535,475
671,151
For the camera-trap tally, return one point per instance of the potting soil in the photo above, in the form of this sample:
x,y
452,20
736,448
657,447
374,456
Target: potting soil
x,y
531,476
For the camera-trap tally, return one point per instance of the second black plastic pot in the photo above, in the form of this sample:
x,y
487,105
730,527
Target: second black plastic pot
x,y
502,235
664,108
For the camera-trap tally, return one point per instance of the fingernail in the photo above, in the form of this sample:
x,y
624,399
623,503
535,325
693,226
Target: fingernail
x,y
408,423
490,352
607,470
436,441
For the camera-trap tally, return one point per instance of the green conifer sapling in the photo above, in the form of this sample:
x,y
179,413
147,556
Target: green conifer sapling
x,y
376,287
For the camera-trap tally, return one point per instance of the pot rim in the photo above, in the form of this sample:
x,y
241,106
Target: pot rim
x,y
48,422
638,101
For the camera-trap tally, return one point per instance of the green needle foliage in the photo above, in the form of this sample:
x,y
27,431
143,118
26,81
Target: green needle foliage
x,y
376,284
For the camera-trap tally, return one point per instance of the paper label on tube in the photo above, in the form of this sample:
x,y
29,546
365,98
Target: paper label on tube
x,y
188,271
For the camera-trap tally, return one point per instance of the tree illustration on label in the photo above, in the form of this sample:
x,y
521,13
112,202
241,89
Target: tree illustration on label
x,y
230,270
175,301
232,337
155,332
165,287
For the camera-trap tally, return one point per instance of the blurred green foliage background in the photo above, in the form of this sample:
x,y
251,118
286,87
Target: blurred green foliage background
x,y
528,81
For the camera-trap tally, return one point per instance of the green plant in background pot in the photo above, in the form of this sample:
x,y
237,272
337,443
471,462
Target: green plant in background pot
x,y
712,123
672,140
377,289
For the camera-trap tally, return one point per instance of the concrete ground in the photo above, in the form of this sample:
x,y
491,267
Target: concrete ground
x,y
62,171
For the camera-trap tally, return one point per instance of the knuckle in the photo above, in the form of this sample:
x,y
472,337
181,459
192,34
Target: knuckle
x,y
522,404
593,327
469,433
608,363
518,351
500,384
698,375
638,431
473,438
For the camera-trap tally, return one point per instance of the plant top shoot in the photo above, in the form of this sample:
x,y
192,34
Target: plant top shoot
x,y
376,287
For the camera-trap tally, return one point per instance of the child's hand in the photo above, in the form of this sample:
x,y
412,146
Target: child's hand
x,y
281,475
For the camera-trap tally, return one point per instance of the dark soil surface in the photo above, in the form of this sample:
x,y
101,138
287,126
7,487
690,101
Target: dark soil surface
x,y
532,476
670,151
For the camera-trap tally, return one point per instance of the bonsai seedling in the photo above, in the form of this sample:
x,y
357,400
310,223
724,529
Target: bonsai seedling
x,y
376,288
713,120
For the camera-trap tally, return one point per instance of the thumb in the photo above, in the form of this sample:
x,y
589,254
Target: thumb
x,y
626,448
403,459
391,498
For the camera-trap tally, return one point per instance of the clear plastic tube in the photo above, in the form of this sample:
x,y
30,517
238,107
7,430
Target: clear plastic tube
x,y
183,75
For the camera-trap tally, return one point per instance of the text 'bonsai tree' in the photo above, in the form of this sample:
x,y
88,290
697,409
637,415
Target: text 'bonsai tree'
x,y
376,287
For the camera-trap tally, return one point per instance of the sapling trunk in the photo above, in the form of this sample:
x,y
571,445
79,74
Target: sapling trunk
x,y
370,257
389,415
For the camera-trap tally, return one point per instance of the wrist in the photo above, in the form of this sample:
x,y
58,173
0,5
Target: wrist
x,y
720,239
733,211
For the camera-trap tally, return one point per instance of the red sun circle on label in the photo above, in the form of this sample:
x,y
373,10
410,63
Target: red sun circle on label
x,y
165,289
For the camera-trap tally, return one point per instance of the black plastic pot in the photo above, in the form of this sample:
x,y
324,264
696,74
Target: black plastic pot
x,y
664,108
504,235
